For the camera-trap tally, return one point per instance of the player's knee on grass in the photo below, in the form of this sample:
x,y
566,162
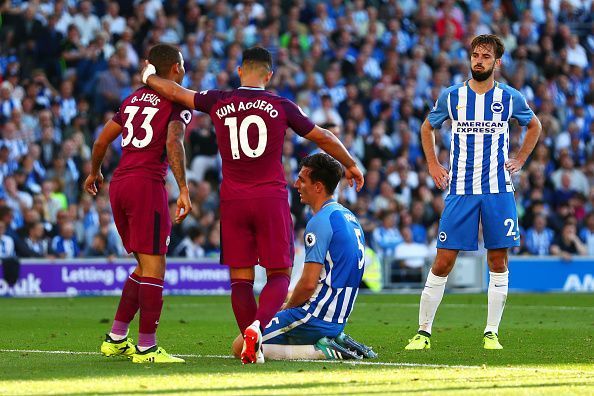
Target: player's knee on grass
x,y
236,346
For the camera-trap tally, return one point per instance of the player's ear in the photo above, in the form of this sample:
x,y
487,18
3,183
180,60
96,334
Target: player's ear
x,y
269,75
239,71
497,63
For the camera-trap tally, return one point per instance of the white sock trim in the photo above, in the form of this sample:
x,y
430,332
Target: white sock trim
x,y
117,337
434,280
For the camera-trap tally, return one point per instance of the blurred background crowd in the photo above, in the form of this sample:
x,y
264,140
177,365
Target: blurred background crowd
x,y
367,70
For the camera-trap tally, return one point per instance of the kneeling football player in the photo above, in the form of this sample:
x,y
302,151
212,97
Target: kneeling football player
x,y
310,325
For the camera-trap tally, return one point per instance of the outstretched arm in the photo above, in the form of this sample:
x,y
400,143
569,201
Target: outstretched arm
x,y
176,155
513,165
330,144
110,131
169,89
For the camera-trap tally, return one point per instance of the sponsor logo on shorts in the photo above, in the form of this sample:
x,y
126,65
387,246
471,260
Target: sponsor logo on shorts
x,y
167,240
443,236
310,239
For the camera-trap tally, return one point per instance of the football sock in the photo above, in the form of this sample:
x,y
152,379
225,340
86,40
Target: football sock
x,y
243,302
292,352
272,297
126,309
430,299
497,294
151,303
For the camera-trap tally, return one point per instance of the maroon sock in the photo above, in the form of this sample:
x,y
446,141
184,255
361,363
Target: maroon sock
x,y
243,302
128,305
272,297
151,302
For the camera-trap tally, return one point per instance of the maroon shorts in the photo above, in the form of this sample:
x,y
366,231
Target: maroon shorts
x,y
141,214
257,231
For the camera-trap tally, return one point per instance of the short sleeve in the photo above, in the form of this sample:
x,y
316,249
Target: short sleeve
x,y
181,113
439,113
521,111
117,118
204,100
318,235
297,119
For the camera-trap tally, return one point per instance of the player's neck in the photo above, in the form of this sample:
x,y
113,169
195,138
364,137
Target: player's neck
x,y
252,83
321,203
480,87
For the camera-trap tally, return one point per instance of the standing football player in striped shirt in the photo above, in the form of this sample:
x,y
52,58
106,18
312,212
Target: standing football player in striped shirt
x,y
479,181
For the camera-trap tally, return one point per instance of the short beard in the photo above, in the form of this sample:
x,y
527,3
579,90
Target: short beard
x,y
481,76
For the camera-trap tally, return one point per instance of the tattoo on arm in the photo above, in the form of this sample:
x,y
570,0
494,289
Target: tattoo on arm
x,y
176,153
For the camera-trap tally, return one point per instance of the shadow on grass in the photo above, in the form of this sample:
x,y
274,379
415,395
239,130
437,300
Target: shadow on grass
x,y
361,387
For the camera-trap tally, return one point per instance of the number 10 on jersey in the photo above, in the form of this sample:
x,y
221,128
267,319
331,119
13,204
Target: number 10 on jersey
x,y
242,140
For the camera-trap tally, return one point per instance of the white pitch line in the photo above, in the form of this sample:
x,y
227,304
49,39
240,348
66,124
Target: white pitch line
x,y
350,362
508,306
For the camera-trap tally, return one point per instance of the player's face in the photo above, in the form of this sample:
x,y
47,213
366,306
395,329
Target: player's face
x,y
483,62
304,186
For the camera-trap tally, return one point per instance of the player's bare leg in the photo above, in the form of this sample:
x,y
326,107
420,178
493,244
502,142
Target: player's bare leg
x,y
431,297
117,341
151,303
497,295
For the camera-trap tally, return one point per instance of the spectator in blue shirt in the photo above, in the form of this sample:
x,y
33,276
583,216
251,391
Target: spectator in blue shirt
x,y
64,245
539,237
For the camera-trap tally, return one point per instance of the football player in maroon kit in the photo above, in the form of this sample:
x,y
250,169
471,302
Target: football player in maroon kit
x,y
152,129
256,224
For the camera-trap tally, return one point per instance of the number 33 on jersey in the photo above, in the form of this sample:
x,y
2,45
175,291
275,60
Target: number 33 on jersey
x,y
145,116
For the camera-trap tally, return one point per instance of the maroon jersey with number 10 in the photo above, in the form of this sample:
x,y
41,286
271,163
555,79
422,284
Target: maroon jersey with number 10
x,y
250,125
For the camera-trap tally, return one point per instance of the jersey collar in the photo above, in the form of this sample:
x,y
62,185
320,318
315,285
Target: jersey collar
x,y
251,88
328,203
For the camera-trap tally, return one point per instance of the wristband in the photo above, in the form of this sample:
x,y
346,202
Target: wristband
x,y
149,70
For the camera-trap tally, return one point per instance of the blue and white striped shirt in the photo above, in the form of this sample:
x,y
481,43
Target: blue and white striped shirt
x,y
334,238
480,135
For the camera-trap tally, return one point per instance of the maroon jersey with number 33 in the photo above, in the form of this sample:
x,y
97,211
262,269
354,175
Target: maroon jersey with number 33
x,y
250,125
144,116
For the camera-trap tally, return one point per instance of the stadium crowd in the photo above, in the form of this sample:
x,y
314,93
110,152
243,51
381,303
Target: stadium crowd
x,y
368,70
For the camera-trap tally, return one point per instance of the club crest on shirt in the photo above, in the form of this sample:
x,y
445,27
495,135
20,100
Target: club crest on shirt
x,y
443,236
497,107
168,240
310,239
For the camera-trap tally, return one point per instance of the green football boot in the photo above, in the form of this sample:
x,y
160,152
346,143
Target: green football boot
x,y
123,347
418,342
155,355
334,351
491,341
347,341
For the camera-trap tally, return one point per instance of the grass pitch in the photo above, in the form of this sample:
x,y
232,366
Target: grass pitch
x,y
548,341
